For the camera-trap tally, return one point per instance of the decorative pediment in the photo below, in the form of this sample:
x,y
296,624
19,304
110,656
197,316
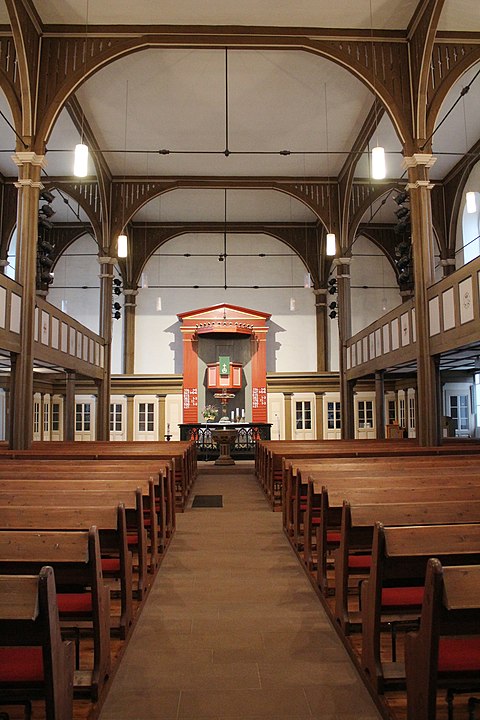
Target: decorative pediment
x,y
224,318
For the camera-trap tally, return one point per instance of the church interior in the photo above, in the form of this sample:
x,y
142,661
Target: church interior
x,y
239,259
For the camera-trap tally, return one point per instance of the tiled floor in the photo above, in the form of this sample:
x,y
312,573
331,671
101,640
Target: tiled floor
x,y
232,629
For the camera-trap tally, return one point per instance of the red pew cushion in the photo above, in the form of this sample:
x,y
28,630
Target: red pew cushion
x,y
398,596
360,561
110,564
21,664
459,654
69,603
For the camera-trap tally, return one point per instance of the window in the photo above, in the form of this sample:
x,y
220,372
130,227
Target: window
x,y
401,412
459,411
365,413
145,417
116,417
303,415
36,417
46,417
82,417
392,412
333,416
411,413
55,417
471,233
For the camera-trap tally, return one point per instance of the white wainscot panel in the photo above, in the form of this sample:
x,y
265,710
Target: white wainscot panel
x,y
371,345
448,306
3,306
92,351
465,297
45,328
354,355
365,349
359,352
85,347
405,325
55,332
79,344
395,334
386,339
434,315
378,342
64,339
414,326
15,312
349,358
71,349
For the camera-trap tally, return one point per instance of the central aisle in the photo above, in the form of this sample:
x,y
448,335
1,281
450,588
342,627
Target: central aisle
x,y
232,628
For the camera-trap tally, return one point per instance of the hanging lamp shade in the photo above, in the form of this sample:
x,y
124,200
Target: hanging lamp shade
x,y
122,249
471,201
331,244
159,303
293,304
379,169
80,163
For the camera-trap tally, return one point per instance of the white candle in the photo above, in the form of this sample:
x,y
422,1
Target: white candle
x,y
232,417
243,412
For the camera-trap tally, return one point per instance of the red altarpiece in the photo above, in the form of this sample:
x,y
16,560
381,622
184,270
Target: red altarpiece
x,y
218,320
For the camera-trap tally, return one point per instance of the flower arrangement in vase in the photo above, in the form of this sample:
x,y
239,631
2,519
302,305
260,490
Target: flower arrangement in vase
x,y
209,413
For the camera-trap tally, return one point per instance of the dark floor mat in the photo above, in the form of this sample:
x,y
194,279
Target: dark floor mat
x,y
207,501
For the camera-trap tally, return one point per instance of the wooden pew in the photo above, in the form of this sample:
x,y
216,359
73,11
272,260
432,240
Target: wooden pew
x,y
315,516
34,662
404,507
181,454
75,558
399,560
445,652
60,495
160,472
112,529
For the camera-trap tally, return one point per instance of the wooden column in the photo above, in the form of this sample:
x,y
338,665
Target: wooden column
x,y
162,428
288,415
69,407
380,404
8,429
130,416
259,375
321,308
344,333
448,266
319,414
419,188
103,396
130,309
190,376
29,168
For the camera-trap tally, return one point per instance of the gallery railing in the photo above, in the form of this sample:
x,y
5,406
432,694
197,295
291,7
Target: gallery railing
x,y
243,447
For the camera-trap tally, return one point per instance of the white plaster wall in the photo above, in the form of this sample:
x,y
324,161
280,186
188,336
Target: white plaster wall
x,y
291,341
76,281
370,268
468,226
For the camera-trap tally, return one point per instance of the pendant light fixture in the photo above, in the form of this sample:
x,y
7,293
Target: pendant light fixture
x,y
80,161
331,247
378,167
122,240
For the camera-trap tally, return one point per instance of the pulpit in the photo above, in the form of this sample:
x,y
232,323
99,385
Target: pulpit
x,y
225,437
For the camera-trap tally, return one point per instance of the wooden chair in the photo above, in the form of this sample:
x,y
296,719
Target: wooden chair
x,y
34,662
